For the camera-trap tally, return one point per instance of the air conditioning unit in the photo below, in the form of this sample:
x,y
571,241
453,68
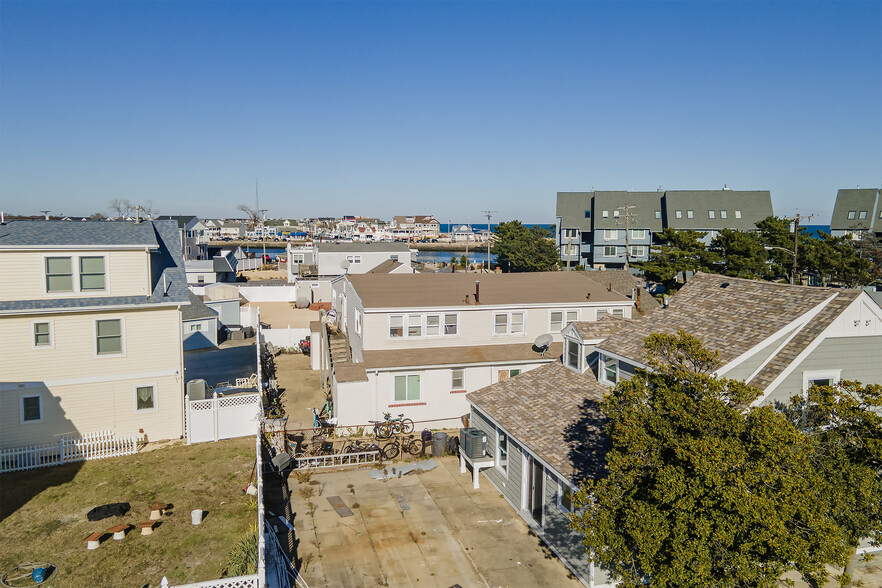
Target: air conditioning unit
x,y
197,389
473,442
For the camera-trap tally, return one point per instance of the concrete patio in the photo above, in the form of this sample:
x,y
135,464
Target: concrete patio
x,y
449,533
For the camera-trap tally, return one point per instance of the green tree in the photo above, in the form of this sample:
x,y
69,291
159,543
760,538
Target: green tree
x,y
835,260
675,252
524,249
699,492
775,233
743,254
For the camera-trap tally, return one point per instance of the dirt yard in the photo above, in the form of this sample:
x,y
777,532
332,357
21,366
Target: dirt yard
x,y
43,515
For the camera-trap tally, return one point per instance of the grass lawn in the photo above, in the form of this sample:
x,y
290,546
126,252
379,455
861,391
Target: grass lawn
x,y
43,515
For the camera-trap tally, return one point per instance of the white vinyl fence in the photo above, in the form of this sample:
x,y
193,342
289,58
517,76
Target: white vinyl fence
x,y
289,337
222,417
96,445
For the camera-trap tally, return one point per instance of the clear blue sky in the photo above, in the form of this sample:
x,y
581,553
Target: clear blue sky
x,y
444,108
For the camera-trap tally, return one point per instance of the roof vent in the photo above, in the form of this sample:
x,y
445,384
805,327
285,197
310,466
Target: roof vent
x,y
724,285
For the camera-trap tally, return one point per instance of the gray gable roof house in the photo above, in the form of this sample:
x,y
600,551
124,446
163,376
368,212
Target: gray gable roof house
x,y
778,337
857,210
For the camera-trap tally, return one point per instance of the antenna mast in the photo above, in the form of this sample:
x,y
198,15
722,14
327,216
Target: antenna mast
x,y
489,213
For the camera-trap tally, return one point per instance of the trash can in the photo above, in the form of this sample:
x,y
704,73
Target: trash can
x,y
439,444
453,445
426,437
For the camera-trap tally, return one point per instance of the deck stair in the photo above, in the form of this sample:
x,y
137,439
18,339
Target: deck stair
x,y
340,352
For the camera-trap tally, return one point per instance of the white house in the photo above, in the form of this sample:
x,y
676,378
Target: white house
x,y
420,342
337,259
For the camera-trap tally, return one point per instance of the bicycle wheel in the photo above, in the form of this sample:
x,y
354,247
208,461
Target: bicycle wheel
x,y
382,431
317,427
390,450
415,448
406,426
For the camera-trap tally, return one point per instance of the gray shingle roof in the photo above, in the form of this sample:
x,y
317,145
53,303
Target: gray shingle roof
x,y
642,215
168,278
868,200
45,234
196,310
755,205
555,413
730,315
571,207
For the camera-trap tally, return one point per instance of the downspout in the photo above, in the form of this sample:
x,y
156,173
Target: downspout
x,y
183,375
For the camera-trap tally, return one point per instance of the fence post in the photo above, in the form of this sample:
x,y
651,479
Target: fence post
x,y
215,406
187,424
61,451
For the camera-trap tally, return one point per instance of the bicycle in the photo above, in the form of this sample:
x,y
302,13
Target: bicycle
x,y
410,445
359,446
386,428
320,424
327,408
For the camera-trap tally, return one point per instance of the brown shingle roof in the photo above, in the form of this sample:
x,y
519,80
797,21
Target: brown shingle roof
x,y
385,267
451,290
625,283
350,372
601,329
458,355
730,315
555,413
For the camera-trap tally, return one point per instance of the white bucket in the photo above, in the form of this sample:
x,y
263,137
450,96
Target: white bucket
x,y
196,517
252,490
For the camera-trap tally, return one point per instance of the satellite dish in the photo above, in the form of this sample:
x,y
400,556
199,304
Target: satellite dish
x,y
302,302
543,342
344,264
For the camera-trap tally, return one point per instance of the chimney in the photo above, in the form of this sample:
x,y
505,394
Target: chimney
x,y
137,214
477,292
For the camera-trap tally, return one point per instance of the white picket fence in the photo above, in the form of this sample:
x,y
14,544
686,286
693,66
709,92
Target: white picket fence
x,y
86,447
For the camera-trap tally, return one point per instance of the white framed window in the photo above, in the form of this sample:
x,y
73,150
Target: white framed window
x,y
414,325
393,257
396,326
59,275
407,387
617,312
450,324
610,370
508,323
457,379
609,251
610,234
43,336
605,214
297,258
30,408
353,258
638,250
200,279
109,337
737,214
678,214
616,213
92,273
819,378
145,398
358,323
502,452
638,233
862,215
851,214
571,233
195,327
657,214
724,214
565,496
557,319
711,214
690,214
571,250
433,325
573,355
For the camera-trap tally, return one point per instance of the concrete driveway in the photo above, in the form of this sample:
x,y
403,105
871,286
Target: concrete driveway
x,y
449,534
221,365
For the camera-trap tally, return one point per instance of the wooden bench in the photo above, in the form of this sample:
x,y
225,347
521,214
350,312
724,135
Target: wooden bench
x,y
94,540
156,510
146,527
119,531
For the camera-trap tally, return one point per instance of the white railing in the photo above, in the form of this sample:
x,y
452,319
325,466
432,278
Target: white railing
x,y
98,445
337,460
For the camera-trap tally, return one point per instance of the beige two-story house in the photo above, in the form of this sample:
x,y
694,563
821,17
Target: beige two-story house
x,y
90,330
420,342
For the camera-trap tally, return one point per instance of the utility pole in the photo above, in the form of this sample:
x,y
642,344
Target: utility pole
x,y
468,236
796,220
628,216
489,213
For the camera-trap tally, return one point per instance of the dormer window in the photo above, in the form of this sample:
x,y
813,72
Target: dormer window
x,y
573,356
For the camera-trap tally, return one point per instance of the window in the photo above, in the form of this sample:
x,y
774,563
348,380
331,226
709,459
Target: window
x,y
605,214
690,214
353,258
450,324
657,214
297,258
31,409
407,387
457,378
358,323
610,234
617,312
196,327
737,214
145,398
616,213
557,319
511,323
503,375
396,325
571,233
573,355
638,233
880,214
517,323
638,250
587,214
59,274
414,325
502,452
679,214
851,214
500,324
393,257
43,334
611,370
92,274
711,214
200,279
724,214
609,251
862,215
565,496
108,334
